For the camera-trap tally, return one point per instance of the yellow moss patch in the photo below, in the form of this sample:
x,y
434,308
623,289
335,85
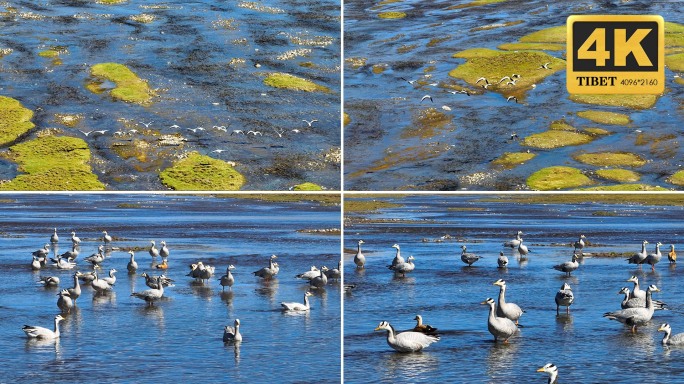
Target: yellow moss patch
x,y
346,119
356,62
549,35
597,131
437,40
15,120
603,117
287,81
407,48
619,175
48,53
674,34
351,205
475,3
611,159
52,163
532,47
379,68
391,15
626,187
427,123
307,187
554,178
628,101
561,125
144,18
675,62
198,172
556,138
68,120
512,159
677,178
111,2
129,87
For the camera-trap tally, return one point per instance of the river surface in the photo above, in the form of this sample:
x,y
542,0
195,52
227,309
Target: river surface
x,y
118,338
206,60
585,346
379,155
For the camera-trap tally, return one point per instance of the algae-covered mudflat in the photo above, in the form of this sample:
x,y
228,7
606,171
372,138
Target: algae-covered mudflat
x,y
522,126
170,95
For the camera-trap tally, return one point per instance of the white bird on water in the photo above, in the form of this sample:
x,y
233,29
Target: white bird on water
x,y
35,332
147,125
293,306
151,295
409,341
309,122
426,97
232,334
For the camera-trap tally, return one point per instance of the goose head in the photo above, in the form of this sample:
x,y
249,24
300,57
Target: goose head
x,y
273,257
308,293
237,323
396,246
500,283
633,279
489,301
653,288
383,326
623,291
361,242
665,327
231,266
566,286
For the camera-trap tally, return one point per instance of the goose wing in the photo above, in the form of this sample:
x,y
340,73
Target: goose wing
x,y
413,341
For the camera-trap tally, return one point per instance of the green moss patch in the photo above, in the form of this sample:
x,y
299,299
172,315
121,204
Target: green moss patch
x,y
129,87
475,3
554,178
627,101
549,35
556,139
532,47
15,120
427,123
603,117
619,175
49,53
611,159
391,15
367,205
287,81
626,187
379,68
308,187
199,172
346,119
52,163
512,159
675,62
674,34
677,178
597,131
494,65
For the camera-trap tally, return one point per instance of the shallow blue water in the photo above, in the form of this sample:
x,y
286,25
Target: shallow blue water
x,y
585,346
117,338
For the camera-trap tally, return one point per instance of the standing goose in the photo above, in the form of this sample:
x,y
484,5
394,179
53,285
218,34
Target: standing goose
x,y
292,306
43,252
397,258
54,239
653,258
677,339
151,281
35,332
49,281
515,242
227,280
568,266
468,258
63,263
552,371
638,302
132,265
499,327
100,285
672,255
164,251
321,280
231,334
423,328
404,268
636,292
408,341
335,273
579,244
638,258
111,280
359,258
72,254
154,252
74,239
502,261
35,264
151,295
508,310
64,302
310,274
635,317
97,258
106,238
564,297
268,272
87,277
522,248
75,292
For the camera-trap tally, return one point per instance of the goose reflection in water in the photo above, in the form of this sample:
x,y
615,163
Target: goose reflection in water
x,y
201,289
268,289
501,358
227,297
411,366
153,312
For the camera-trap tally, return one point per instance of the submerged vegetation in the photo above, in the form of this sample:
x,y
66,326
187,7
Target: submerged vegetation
x,y
202,173
129,87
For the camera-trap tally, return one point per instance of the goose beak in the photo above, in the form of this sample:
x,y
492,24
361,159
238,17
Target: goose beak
x,y
484,302
540,369
378,329
662,328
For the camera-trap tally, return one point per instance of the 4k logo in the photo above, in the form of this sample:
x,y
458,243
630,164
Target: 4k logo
x,y
616,54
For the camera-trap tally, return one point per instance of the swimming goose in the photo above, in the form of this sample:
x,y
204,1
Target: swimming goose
x,y
677,339
151,295
397,258
74,239
552,371
231,334
568,266
579,244
61,263
132,265
35,332
508,310
423,328
308,275
268,272
468,258
64,302
636,292
49,281
100,285
71,255
408,341
564,297
653,258
321,280
75,292
515,242
404,268
638,302
111,280
359,258
638,258
499,327
502,261
335,273
522,248
672,255
635,316
35,264
87,277
154,252
292,306
164,251
106,238
151,281
54,239
227,280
